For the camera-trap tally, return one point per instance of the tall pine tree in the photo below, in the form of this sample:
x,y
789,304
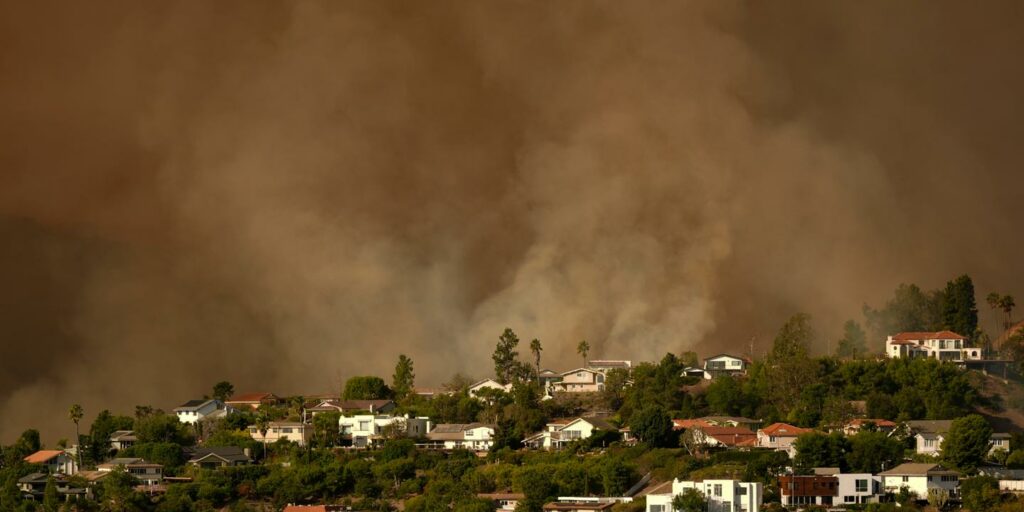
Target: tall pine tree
x,y
959,311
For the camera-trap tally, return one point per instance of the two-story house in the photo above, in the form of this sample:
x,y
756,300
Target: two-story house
x,y
721,495
780,436
487,384
941,345
121,439
145,472
854,488
581,380
921,479
294,431
724,436
559,433
218,457
929,435
468,436
365,430
724,365
55,461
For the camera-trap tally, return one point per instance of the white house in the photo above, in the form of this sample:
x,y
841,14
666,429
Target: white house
x,y
780,436
55,461
194,411
921,479
475,389
367,429
942,345
722,496
469,436
503,501
560,433
724,365
293,431
580,380
121,439
146,472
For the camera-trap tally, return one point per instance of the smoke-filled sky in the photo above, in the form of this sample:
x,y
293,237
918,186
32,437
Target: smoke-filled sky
x,y
285,194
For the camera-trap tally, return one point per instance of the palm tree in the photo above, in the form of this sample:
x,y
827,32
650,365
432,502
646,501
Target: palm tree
x,y
536,348
263,426
1007,304
76,413
583,348
993,302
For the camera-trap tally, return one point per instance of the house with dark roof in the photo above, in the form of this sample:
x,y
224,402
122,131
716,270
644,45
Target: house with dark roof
x,y
55,461
194,411
219,457
724,365
724,437
121,439
929,435
468,436
559,433
147,473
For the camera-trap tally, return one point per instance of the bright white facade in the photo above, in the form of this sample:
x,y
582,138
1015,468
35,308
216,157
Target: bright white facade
x,y
942,345
471,436
366,429
475,389
558,434
722,495
580,380
194,411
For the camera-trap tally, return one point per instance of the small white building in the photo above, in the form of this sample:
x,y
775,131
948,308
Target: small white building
x,y
468,436
367,429
724,365
722,495
780,437
560,433
854,488
194,411
920,479
474,390
941,345
293,431
55,461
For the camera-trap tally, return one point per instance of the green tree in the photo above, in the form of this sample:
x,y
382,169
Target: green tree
x,y
163,428
872,452
10,496
583,349
967,443
959,311
365,387
815,450
690,500
653,427
505,356
853,344
263,426
980,493
789,368
50,501
725,396
1006,303
223,390
910,309
75,414
403,381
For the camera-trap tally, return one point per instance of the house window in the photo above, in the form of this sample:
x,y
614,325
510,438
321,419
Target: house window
x,y
364,425
469,433
579,375
848,499
906,479
741,491
862,485
286,430
718,489
657,508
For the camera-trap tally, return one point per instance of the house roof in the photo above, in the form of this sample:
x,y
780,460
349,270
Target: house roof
x,y
123,435
192,404
43,456
38,478
826,471
729,419
929,426
226,453
364,405
716,356
588,370
784,430
730,436
926,335
918,469
610,363
559,505
598,423
682,424
252,397
92,476
859,422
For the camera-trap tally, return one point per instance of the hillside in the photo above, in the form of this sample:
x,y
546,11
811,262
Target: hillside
x,y
1005,401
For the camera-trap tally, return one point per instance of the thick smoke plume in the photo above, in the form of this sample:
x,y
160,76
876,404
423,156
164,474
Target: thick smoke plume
x,y
286,194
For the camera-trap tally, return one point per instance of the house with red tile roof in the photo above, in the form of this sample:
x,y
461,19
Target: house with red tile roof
x,y
942,345
853,426
725,437
780,436
55,461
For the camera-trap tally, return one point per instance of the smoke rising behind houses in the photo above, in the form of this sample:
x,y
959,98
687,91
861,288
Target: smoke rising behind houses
x,y
287,194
